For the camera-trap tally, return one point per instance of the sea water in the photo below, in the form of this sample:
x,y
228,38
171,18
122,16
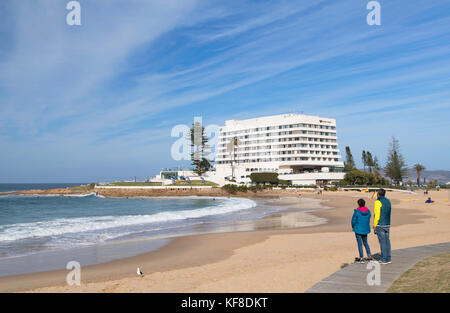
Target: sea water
x,y
40,227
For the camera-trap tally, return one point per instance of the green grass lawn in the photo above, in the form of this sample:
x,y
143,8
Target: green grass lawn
x,y
194,183
429,275
82,188
178,183
138,184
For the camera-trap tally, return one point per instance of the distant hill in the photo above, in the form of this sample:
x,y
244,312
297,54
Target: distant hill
x,y
442,176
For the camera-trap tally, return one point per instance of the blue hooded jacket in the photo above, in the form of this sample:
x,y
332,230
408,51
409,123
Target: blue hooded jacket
x,y
361,221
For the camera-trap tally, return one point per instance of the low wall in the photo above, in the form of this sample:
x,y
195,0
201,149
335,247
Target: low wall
x,y
153,187
186,191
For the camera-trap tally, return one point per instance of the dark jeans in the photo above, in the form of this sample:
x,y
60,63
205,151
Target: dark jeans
x,y
385,242
362,239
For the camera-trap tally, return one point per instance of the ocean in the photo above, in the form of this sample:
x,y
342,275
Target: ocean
x,y
36,230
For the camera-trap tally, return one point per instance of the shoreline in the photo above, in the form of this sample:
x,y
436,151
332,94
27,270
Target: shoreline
x,y
172,266
133,244
299,217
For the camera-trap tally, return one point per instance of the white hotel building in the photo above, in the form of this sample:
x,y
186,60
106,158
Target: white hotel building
x,y
300,148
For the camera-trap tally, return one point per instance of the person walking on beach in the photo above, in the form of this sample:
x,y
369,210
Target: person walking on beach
x,y
382,225
361,227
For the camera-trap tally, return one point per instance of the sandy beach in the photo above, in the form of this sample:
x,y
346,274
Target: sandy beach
x,y
281,255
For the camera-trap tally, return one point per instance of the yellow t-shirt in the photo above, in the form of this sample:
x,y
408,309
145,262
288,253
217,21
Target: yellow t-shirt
x,y
376,212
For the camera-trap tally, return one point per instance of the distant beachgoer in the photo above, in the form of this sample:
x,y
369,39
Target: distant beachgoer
x,y
382,225
429,200
299,195
361,228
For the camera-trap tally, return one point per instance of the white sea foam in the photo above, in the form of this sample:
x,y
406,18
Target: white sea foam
x,y
64,226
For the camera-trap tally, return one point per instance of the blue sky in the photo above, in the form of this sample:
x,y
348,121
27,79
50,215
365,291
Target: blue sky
x,y
98,101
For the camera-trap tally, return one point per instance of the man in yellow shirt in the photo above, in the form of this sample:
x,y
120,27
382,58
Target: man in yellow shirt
x,y
382,225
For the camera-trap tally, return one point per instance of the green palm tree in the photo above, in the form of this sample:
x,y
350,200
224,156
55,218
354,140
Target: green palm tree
x,y
419,168
231,147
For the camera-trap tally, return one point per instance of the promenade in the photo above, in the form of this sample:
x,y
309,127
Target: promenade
x,y
353,278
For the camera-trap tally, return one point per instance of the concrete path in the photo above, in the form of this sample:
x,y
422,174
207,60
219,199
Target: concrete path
x,y
353,278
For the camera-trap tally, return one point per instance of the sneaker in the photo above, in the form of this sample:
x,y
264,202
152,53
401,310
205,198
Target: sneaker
x,y
381,262
359,260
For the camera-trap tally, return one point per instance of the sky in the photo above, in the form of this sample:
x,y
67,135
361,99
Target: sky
x,y
97,102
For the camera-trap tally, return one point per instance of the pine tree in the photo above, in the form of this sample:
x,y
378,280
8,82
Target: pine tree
x,y
395,166
376,167
370,161
349,162
364,159
199,149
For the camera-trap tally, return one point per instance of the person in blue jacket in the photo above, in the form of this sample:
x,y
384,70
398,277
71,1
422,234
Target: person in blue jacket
x,y
361,227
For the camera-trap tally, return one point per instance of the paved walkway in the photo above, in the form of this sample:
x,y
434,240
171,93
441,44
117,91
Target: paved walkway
x,y
353,278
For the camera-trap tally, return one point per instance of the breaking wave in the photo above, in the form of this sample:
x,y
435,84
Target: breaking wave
x,y
63,226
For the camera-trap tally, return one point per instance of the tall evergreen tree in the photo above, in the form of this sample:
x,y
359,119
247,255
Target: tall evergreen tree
x,y
364,159
199,149
376,166
395,166
349,162
370,162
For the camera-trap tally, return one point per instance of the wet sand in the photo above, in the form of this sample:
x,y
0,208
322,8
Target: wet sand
x,y
273,258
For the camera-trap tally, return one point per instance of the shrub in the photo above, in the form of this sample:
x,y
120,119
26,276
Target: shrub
x,y
262,178
306,186
357,177
284,182
256,188
234,188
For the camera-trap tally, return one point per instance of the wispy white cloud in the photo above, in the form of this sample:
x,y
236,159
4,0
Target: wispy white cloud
x,y
128,72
